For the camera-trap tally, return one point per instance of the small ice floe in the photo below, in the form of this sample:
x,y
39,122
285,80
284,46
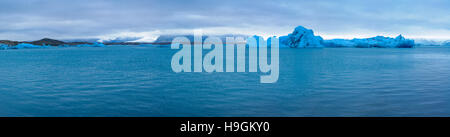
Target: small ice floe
x,y
3,47
92,45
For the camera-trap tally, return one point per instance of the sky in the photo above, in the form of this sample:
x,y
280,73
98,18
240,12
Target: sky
x,y
145,20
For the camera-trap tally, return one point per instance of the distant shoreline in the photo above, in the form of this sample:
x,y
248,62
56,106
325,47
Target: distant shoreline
x,y
53,42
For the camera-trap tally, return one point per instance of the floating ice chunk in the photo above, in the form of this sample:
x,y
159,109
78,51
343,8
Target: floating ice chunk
x,y
96,44
301,38
26,46
446,43
384,42
3,47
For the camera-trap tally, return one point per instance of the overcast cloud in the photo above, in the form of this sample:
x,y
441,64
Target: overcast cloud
x,y
67,19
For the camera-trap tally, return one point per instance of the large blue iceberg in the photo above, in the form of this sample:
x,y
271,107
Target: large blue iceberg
x,y
301,38
305,38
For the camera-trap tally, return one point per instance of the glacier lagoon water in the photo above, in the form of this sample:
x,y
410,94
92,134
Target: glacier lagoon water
x,y
138,81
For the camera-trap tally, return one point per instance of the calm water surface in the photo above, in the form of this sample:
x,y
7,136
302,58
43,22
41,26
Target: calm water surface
x,y
138,81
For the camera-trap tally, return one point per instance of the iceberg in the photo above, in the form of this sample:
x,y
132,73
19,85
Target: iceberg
x,y
305,38
374,42
269,42
96,44
446,43
26,46
301,38
427,43
3,47
431,43
339,43
257,38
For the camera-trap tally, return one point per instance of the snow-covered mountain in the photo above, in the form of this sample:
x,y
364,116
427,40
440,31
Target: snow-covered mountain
x,y
169,38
